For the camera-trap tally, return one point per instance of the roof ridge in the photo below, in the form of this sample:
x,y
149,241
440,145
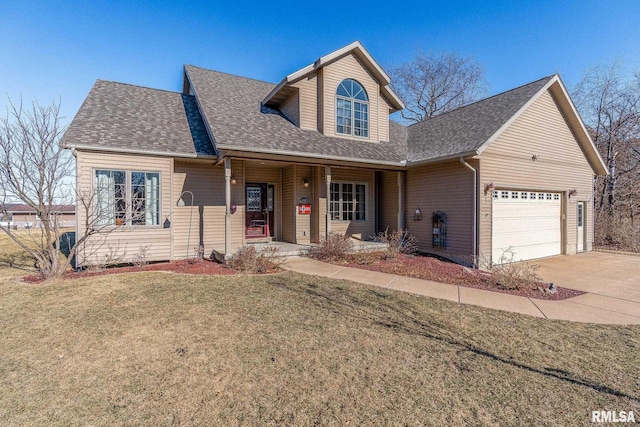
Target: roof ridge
x,y
229,74
139,86
483,99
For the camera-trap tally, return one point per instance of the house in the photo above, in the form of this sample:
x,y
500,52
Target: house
x,y
231,160
24,216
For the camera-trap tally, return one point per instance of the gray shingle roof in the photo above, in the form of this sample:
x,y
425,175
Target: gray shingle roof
x,y
231,106
119,116
465,129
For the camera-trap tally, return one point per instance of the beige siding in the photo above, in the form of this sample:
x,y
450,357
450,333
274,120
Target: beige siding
x,y
288,208
202,224
444,187
238,199
383,113
334,73
303,222
388,201
358,229
308,102
291,108
126,241
561,166
319,207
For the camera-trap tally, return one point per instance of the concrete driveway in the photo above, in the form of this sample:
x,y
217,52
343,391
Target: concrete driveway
x,y
611,280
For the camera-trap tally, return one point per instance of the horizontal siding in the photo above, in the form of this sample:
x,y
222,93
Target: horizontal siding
x,y
303,222
127,242
358,229
333,74
204,222
308,102
560,166
288,208
291,108
388,201
383,119
446,187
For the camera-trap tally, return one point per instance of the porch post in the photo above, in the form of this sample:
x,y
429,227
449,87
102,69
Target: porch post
x,y
400,218
327,174
227,201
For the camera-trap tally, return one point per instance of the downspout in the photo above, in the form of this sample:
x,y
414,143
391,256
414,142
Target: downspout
x,y
475,211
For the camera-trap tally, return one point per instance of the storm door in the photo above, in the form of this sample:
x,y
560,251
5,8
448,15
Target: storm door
x,y
259,210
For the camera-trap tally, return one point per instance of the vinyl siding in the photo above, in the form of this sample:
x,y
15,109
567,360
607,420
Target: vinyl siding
x,y
446,187
358,229
383,119
303,222
204,223
291,109
333,74
288,207
561,166
127,241
308,102
388,201
319,206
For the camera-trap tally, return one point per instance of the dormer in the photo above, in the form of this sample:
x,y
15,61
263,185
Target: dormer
x,y
345,94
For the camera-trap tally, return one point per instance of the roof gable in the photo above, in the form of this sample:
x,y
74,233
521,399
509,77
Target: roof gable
x,y
470,130
284,89
237,121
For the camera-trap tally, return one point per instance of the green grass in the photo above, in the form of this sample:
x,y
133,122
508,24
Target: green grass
x,y
167,349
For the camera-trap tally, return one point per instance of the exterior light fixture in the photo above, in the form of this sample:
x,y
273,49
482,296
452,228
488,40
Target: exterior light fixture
x,y
234,181
305,183
535,157
573,192
417,216
488,187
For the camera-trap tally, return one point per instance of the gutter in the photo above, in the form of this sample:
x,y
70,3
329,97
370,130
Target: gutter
x,y
76,147
475,211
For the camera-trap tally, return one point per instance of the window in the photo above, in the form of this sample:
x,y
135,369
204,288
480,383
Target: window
x,y
352,109
348,201
131,198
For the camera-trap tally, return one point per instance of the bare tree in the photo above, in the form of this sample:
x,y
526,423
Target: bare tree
x,y
433,84
36,170
609,102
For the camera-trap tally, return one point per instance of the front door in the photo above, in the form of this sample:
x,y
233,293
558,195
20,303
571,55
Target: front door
x,y
259,210
580,221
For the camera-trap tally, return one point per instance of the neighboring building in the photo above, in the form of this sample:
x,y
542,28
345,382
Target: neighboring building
x,y
24,216
317,153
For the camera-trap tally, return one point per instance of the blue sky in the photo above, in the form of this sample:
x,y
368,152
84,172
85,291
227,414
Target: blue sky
x,y
57,49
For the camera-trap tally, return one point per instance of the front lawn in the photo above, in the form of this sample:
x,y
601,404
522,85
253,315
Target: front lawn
x,y
160,349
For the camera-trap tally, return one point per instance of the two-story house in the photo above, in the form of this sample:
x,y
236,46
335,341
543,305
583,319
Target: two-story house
x,y
231,161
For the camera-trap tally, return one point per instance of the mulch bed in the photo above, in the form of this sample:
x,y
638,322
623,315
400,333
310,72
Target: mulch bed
x,y
183,266
439,270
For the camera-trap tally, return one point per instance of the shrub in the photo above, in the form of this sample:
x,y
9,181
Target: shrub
x,y
250,260
334,247
509,274
398,242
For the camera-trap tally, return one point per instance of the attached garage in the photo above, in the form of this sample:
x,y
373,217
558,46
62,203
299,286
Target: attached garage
x,y
526,223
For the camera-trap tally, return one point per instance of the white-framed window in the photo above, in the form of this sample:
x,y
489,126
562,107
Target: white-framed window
x,y
556,196
495,194
348,201
524,195
352,109
504,194
127,197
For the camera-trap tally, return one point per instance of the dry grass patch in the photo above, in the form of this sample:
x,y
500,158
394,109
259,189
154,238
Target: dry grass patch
x,y
165,349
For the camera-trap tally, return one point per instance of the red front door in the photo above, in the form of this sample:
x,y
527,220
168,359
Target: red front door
x,y
259,210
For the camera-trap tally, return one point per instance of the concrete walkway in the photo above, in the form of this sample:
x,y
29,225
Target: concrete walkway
x,y
588,308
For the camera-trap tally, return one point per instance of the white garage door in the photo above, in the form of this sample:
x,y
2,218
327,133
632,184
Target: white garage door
x,y
527,223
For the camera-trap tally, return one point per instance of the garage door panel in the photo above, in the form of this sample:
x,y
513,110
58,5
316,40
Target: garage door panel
x,y
527,223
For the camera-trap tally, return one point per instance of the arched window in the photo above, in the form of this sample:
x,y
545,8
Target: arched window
x,y
352,109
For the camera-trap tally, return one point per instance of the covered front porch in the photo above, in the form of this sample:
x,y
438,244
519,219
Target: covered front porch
x,y
294,205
